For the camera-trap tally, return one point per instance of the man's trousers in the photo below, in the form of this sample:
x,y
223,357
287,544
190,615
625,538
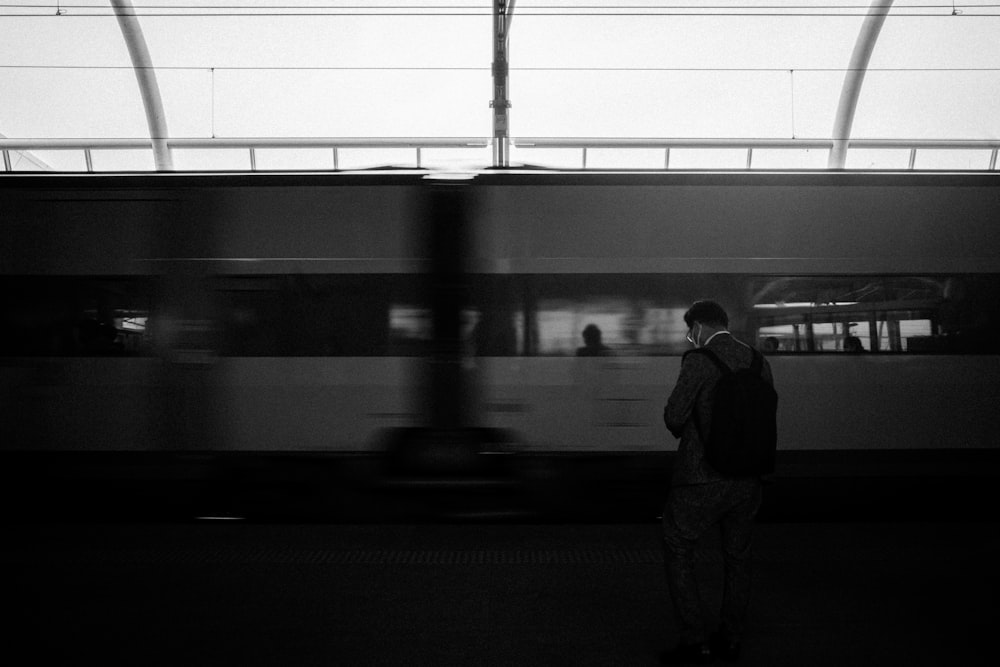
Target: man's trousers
x,y
689,512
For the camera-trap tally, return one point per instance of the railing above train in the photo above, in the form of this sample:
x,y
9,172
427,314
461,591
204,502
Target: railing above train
x,y
21,154
987,147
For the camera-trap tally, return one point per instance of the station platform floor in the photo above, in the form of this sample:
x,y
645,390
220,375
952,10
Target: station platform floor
x,y
227,592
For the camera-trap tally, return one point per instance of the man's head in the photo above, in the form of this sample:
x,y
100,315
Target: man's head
x,y
703,319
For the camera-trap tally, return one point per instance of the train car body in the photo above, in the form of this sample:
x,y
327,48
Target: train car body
x,y
303,313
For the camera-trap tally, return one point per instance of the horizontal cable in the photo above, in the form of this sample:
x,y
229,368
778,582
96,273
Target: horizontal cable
x,y
207,68
944,12
487,7
391,68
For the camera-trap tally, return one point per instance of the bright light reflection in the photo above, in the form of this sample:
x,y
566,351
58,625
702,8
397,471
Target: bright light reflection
x,y
802,304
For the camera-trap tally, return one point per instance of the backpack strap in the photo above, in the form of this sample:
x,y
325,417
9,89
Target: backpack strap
x,y
711,355
756,366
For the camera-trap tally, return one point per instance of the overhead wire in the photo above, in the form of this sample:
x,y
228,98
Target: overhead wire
x,y
270,10
488,7
486,68
700,14
478,10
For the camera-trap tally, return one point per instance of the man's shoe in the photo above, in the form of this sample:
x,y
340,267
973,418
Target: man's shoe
x,y
727,649
687,654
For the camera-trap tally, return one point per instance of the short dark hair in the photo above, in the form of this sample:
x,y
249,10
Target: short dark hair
x,y
706,312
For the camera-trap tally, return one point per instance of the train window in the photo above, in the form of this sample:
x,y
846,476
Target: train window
x,y
76,316
561,324
943,314
409,324
304,315
914,332
483,334
624,327
494,324
825,336
494,332
898,331
361,315
634,314
830,337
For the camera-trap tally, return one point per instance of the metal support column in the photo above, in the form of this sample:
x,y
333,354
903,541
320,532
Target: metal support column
x,y
853,80
142,64
503,11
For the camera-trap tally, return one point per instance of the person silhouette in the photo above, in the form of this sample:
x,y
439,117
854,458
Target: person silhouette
x,y
701,497
852,345
592,345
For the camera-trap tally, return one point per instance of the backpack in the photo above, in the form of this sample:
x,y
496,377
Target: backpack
x,y
744,433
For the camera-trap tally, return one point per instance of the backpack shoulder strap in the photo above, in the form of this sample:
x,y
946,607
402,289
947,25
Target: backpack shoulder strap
x,y
711,355
757,362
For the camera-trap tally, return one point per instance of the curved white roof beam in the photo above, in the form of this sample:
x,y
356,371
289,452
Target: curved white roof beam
x,y
142,64
855,76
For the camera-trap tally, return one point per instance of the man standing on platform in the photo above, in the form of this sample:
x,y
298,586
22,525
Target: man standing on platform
x,y
701,496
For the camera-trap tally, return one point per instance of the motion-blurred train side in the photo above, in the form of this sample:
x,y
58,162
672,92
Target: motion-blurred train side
x,y
315,313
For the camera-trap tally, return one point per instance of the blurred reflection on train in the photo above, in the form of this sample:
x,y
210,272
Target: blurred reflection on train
x,y
347,313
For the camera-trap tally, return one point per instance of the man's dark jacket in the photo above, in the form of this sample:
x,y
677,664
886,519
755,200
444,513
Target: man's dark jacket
x,y
689,408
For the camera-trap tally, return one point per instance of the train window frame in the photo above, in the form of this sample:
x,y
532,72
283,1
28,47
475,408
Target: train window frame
x,y
71,316
504,312
883,333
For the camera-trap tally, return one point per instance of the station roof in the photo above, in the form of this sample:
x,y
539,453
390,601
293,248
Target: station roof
x,y
324,84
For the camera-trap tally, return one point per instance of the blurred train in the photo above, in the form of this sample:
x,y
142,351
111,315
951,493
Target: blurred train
x,y
326,312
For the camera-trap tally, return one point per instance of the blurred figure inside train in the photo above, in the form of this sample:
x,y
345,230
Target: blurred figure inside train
x,y
852,345
592,345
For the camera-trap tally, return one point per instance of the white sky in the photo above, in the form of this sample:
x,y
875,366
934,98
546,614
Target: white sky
x,y
696,76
